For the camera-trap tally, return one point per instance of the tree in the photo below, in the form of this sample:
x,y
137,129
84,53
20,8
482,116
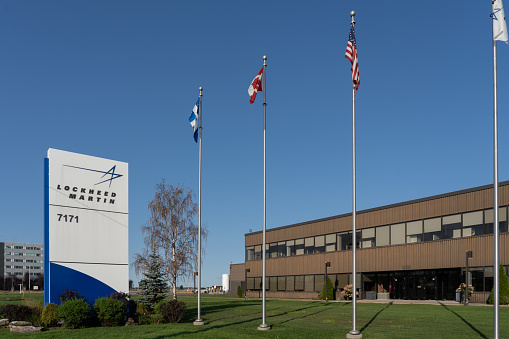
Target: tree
x,y
171,229
330,290
503,288
153,286
239,291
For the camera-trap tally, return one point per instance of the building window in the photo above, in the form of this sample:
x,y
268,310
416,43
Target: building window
x,y
299,246
502,220
368,237
273,250
18,247
258,252
432,229
451,226
281,249
309,283
414,231
290,283
320,244
250,283
258,283
330,242
473,224
309,245
250,253
281,284
272,284
382,236
344,241
319,281
290,248
398,234
299,283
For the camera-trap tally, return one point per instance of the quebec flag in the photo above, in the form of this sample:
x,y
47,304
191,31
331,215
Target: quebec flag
x,y
193,119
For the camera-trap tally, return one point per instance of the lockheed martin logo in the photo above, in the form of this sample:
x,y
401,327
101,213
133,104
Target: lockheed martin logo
x,y
110,174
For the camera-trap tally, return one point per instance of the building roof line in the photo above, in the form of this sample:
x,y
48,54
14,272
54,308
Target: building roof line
x,y
409,202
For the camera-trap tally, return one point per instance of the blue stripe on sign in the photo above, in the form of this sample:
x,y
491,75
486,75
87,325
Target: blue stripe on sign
x,y
66,278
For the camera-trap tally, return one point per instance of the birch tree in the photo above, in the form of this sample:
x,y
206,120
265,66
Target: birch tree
x,y
172,230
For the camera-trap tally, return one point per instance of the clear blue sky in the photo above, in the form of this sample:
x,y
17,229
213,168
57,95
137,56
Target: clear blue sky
x,y
118,79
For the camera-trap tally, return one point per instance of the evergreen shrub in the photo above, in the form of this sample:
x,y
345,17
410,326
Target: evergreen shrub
x,y
503,288
330,291
239,291
76,312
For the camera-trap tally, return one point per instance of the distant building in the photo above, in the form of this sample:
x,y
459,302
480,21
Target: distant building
x,y
410,250
20,258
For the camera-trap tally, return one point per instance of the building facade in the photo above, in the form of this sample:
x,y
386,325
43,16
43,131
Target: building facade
x,y
411,250
21,258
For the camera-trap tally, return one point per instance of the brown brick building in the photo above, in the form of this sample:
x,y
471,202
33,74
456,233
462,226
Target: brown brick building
x,y
411,250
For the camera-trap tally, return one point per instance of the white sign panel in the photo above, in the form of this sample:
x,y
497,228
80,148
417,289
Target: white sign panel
x,y
86,231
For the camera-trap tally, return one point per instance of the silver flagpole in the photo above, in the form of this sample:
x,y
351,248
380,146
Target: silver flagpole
x,y
354,333
199,321
264,325
496,294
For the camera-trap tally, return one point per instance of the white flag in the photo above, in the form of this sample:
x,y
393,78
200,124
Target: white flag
x,y
499,24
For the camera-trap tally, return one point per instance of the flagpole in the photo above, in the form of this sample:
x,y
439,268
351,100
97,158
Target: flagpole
x,y
264,325
199,321
354,333
496,289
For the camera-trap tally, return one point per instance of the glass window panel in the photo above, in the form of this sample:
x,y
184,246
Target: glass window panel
x,y
502,218
290,283
273,250
473,224
397,234
488,278
299,283
309,245
281,249
451,226
330,242
250,283
382,236
250,253
319,281
258,252
258,283
432,229
290,248
342,280
299,246
368,237
414,231
344,240
309,283
272,284
281,283
320,244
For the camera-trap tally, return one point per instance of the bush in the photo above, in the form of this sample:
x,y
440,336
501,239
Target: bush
x,y
173,310
503,288
239,291
143,314
330,291
76,313
69,295
49,316
110,312
17,312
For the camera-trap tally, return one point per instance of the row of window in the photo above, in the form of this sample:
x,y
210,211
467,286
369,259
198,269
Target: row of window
x,y
22,247
24,254
22,260
306,283
447,227
24,267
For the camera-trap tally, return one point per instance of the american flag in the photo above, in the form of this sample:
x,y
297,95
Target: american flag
x,y
351,54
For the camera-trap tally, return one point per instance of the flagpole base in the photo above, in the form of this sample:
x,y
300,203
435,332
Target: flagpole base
x,y
353,335
198,322
264,327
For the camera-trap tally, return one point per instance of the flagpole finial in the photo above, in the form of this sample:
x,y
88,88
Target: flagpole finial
x,y
201,89
264,60
352,14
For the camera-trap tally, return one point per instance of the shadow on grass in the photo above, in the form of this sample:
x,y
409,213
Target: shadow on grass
x,y
191,313
482,335
374,317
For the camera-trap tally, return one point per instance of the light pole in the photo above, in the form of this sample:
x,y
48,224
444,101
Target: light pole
x,y
468,256
327,264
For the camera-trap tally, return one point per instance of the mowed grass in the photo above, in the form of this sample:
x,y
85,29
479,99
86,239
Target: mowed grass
x,y
226,317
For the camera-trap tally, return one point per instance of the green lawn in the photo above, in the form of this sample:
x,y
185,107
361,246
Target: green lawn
x,y
239,318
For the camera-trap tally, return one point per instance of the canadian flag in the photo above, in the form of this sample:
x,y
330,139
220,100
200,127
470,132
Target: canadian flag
x,y
255,86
